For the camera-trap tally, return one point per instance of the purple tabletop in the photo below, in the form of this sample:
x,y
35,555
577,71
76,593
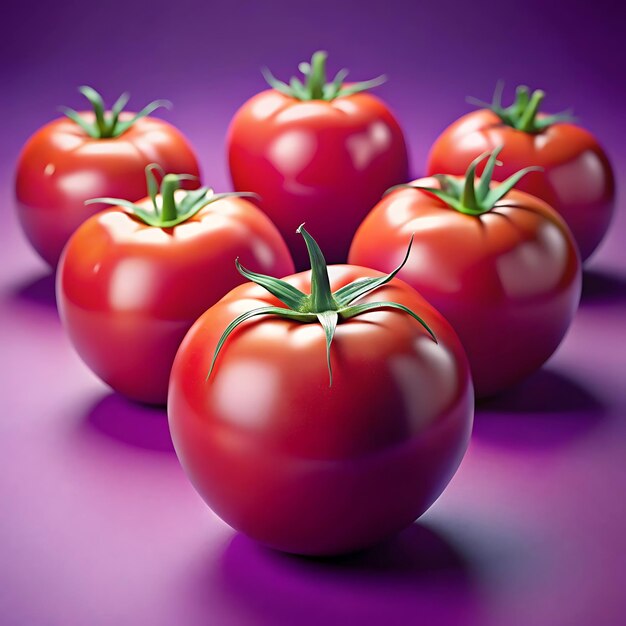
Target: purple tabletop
x,y
98,523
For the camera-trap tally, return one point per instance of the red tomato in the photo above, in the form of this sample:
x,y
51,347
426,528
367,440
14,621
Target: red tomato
x,y
128,292
577,179
323,160
508,280
310,468
62,165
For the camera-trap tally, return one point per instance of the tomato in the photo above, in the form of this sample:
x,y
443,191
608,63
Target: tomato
x,y
128,290
499,264
320,153
313,449
90,154
577,179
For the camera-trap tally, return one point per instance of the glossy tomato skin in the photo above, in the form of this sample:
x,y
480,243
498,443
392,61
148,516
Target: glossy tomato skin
x,y
312,469
508,281
322,163
577,180
61,166
127,292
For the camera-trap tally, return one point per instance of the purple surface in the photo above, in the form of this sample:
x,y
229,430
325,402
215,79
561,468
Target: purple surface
x,y
98,524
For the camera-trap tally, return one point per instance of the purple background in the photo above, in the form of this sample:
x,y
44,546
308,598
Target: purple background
x,y
98,524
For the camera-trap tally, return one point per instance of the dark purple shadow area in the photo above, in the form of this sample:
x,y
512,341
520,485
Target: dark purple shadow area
x,y
603,287
130,423
547,410
39,291
418,577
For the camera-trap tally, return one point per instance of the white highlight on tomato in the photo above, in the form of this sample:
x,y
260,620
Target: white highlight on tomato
x,y
265,105
81,183
131,284
428,381
366,146
293,151
534,266
253,383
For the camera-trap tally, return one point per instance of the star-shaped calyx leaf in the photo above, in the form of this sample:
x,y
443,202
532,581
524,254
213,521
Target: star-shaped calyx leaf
x,y
523,113
107,124
315,85
169,210
320,306
470,196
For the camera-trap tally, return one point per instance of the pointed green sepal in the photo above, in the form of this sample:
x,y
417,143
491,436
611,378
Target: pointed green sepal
x,y
483,185
448,198
76,117
359,309
266,310
359,288
286,293
497,193
153,184
328,320
364,85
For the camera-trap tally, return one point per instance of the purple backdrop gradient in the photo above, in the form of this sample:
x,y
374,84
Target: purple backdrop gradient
x,y
98,524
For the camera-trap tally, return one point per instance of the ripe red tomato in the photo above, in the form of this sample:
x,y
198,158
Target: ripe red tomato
x,y
88,155
506,276
306,467
320,153
577,179
128,291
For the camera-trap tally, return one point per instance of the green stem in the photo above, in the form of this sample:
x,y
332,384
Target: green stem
x,y
468,197
527,120
169,185
321,293
316,78
522,95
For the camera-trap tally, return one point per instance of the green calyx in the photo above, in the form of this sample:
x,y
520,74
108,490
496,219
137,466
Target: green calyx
x,y
522,114
471,196
169,209
107,124
315,85
321,305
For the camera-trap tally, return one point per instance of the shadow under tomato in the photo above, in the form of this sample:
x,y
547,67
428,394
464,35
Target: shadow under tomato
x,y
603,287
415,577
130,423
547,410
38,291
